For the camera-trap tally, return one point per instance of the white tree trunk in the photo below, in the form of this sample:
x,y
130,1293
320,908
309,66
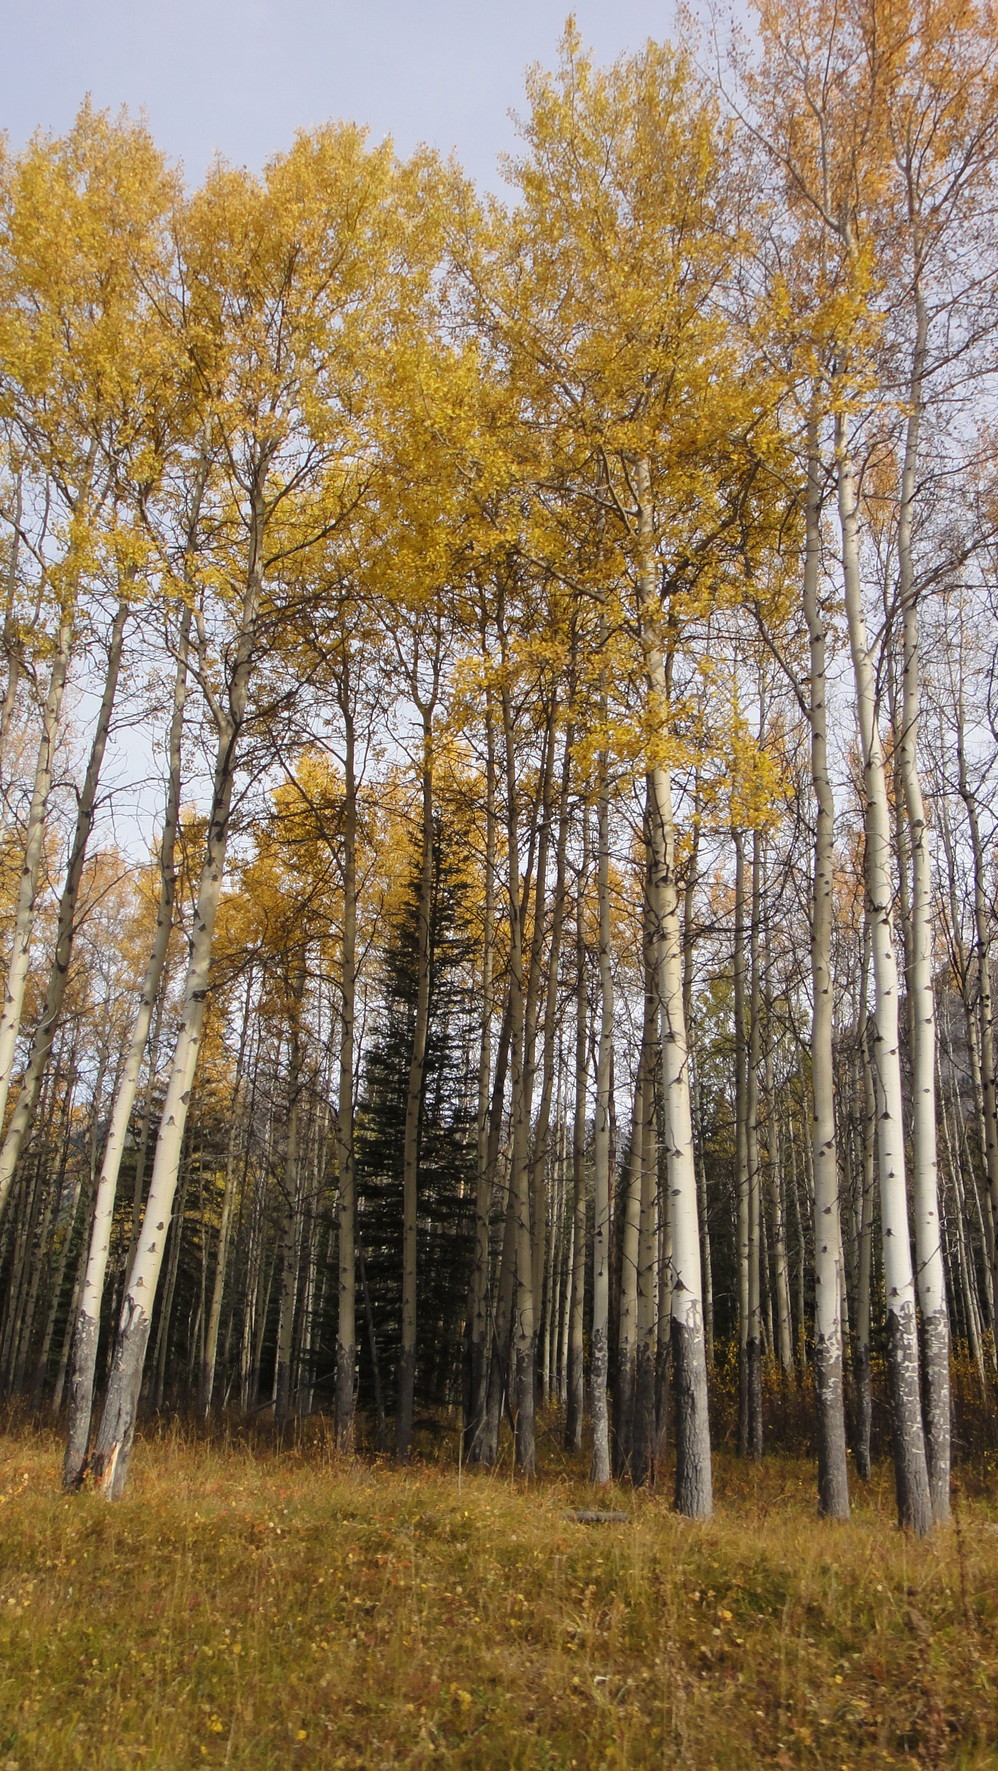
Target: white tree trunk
x,y
346,1200
910,1468
23,1116
925,1174
833,1479
521,1093
629,1222
406,1400
88,1314
575,1312
117,1428
599,1344
27,891
289,1256
694,1491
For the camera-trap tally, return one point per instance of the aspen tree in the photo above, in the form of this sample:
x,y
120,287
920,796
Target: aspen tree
x,y
983,935
548,1017
960,950
648,1300
631,1191
911,1472
742,1220
345,646
693,1467
345,639
238,1131
23,1115
346,1329
283,281
600,1352
938,69
822,123
87,1326
755,1252
477,1338
575,1374
12,639
85,391
28,883
521,1264
833,1482
290,1249
623,195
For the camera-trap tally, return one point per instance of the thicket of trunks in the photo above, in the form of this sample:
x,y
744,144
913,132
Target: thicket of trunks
x,y
563,972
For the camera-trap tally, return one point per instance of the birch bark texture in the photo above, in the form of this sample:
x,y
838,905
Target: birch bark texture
x,y
910,1468
833,1479
23,1116
87,1328
694,1487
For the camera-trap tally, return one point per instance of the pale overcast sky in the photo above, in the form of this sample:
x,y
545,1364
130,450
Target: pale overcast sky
x,y
239,76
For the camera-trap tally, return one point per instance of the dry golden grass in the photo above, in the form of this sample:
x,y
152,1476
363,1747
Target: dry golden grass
x,y
253,1609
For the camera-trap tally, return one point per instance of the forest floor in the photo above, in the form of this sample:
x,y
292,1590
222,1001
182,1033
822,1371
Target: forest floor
x,y
255,1609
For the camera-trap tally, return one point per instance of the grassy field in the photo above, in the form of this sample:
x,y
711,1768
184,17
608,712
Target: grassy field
x,y
251,1609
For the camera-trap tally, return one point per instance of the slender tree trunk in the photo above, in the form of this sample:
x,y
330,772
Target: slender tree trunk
x,y
346,1214
755,1224
117,1428
23,1115
863,1364
629,1229
290,1252
542,1119
575,1401
742,1181
694,1494
985,1007
643,1433
500,1299
781,1269
87,1330
238,1126
62,1369
689,947
414,1105
27,891
599,1349
523,1324
13,647
20,1225
526,1139
55,1275
928,1242
911,1472
833,1479
174,1237
477,1337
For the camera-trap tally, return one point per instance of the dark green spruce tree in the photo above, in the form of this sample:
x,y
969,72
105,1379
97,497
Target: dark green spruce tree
x,y
446,1168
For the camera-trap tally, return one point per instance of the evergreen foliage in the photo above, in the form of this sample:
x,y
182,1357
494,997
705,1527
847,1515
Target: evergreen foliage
x,y
446,1145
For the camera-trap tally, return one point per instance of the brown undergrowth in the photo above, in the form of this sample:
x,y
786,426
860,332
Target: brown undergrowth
x,y
251,1608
